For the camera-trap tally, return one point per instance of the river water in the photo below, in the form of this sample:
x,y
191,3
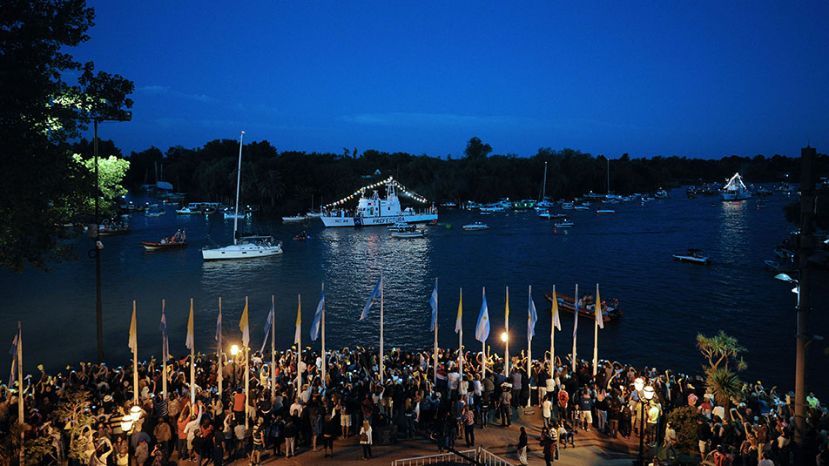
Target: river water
x,y
629,253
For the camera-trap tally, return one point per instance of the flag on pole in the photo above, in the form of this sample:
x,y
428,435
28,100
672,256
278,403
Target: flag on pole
x,y
532,316
459,319
297,334
13,353
218,336
556,319
268,323
315,324
189,343
165,344
244,326
482,325
433,302
375,294
133,332
598,308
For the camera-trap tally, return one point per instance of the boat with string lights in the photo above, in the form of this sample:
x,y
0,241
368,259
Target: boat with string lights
x,y
735,189
372,209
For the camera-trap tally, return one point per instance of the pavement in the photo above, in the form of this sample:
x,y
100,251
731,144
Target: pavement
x,y
591,448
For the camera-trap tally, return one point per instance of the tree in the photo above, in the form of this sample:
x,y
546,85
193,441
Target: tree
x,y
111,173
723,354
74,412
477,150
39,113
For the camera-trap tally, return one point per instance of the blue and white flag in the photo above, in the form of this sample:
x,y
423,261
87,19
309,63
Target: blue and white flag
x,y
165,343
482,326
315,324
532,316
375,294
268,323
433,303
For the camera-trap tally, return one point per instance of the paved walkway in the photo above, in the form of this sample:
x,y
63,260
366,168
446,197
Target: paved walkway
x,y
591,448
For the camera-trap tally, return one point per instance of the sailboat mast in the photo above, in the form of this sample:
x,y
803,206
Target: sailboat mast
x,y
544,183
238,182
608,174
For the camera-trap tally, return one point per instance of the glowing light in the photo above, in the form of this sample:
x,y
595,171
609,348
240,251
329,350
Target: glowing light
x,y
234,350
504,337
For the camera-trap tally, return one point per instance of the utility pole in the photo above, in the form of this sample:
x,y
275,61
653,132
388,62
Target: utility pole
x,y
99,313
806,248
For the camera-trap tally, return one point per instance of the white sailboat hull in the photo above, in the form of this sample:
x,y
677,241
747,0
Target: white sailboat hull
x,y
241,251
330,221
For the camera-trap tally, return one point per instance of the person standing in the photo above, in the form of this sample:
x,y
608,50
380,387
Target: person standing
x,y
548,445
522,446
469,426
366,439
547,412
505,406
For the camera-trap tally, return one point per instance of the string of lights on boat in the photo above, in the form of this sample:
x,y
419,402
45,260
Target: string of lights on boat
x,y
390,180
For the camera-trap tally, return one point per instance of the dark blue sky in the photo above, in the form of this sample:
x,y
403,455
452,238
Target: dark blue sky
x,y
695,78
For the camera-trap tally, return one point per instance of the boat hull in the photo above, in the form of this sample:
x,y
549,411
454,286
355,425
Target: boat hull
x,y
154,246
333,222
692,259
407,234
242,251
735,196
566,304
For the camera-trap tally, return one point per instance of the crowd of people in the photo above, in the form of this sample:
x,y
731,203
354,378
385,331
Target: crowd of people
x,y
289,409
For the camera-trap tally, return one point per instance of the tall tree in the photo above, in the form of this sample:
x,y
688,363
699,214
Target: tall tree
x,y
476,149
40,113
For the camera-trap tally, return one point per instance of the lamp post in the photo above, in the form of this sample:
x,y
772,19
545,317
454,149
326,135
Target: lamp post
x,y
505,340
647,393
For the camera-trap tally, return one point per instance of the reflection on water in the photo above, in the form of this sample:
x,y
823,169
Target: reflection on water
x,y
733,229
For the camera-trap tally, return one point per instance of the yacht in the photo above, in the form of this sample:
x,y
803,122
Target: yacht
x,y
246,247
735,189
375,210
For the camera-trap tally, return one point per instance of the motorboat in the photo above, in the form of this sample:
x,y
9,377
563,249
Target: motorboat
x,y
567,205
661,194
693,256
313,214
247,247
735,189
400,226
476,226
611,309
545,214
294,219
187,210
581,207
176,241
230,215
154,210
523,204
605,211
492,208
564,224
110,228
411,233
374,210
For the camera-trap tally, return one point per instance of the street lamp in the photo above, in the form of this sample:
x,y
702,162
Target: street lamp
x,y
647,393
504,337
784,277
234,350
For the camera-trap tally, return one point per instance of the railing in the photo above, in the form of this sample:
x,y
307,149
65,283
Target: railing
x,y
479,456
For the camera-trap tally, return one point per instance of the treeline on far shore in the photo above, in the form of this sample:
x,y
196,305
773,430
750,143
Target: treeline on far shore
x,y
286,181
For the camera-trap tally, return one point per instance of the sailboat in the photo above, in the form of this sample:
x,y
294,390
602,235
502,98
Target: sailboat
x,y
544,203
245,247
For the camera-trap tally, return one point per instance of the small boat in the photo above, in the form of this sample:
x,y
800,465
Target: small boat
x,y
582,207
611,310
564,224
694,256
605,211
413,233
302,236
294,219
187,211
780,266
476,226
313,214
661,194
108,228
545,214
166,244
492,208
567,205
154,210
230,215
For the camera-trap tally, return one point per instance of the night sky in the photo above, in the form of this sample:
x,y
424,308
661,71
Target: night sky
x,y
702,79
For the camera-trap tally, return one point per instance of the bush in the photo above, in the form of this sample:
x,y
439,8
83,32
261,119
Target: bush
x,y
684,422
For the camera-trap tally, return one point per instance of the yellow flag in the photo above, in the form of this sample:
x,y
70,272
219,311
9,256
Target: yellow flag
x,y
459,320
598,308
297,332
506,310
243,325
190,342
556,319
133,330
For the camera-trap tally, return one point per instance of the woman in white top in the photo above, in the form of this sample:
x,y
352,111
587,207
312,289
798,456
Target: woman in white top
x,y
366,439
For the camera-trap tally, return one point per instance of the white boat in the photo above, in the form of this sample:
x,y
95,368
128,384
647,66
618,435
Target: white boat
x,y
694,256
605,211
154,210
313,214
411,232
735,189
230,215
476,226
564,224
188,211
294,219
248,247
545,214
567,205
374,210
661,194
400,226
492,208
581,207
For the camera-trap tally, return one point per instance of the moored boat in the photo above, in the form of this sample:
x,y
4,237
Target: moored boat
x,y
374,210
611,310
476,226
735,189
693,256
294,219
605,211
413,233
564,224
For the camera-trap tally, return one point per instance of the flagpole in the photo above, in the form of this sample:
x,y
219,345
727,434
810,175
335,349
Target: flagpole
x,y
273,349
163,355
435,358
21,413
322,324
575,327
460,341
192,365
597,308
135,359
299,347
553,335
506,329
529,349
219,364
483,343
382,357
247,374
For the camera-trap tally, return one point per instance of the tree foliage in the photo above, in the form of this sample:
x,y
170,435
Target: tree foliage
x,y
111,173
684,422
74,413
724,356
40,112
